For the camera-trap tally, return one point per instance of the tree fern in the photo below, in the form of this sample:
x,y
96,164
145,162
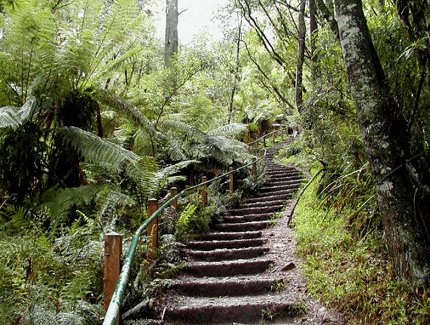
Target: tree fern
x,y
229,130
14,117
59,202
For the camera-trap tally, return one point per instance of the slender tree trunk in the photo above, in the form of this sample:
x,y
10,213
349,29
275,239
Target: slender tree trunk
x,y
328,16
171,41
300,56
384,133
313,30
236,70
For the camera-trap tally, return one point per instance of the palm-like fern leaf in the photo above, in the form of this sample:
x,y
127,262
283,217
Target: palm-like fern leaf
x,y
120,104
228,130
10,117
14,117
109,155
97,150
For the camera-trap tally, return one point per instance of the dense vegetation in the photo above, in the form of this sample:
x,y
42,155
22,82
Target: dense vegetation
x,y
93,123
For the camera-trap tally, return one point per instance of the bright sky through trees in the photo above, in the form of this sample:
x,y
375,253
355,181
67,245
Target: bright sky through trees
x,y
196,17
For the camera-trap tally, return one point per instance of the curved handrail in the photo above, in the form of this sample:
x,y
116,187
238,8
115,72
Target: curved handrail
x,y
264,136
114,305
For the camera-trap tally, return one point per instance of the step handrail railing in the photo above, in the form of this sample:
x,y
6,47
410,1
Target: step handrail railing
x,y
114,305
282,126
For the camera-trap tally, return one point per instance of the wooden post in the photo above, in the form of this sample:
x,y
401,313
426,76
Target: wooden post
x,y
264,141
111,267
282,132
254,168
273,135
152,231
204,192
231,185
173,193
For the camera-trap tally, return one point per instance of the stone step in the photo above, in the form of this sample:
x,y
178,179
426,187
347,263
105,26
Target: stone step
x,y
226,253
285,194
230,235
280,195
260,203
243,226
247,218
250,285
275,188
254,210
230,310
283,171
227,268
281,180
218,244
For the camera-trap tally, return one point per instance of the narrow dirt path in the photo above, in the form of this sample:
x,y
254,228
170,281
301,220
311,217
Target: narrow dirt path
x,y
245,271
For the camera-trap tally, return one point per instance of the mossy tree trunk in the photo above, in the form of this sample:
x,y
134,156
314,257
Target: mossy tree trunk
x,y
384,133
171,41
300,56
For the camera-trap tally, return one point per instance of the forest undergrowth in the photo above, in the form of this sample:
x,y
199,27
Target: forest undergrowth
x,y
344,257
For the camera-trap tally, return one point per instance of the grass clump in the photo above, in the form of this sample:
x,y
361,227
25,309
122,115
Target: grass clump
x,y
351,271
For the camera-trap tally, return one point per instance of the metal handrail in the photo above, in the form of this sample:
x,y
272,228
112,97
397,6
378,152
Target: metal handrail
x,y
264,136
114,305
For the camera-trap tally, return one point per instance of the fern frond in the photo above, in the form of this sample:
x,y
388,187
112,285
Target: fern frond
x,y
165,177
125,108
97,150
175,150
228,130
175,126
169,170
14,117
59,202
10,117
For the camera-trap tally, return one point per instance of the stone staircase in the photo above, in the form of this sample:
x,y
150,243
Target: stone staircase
x,y
227,277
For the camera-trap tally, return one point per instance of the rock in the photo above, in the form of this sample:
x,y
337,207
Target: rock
x,y
289,267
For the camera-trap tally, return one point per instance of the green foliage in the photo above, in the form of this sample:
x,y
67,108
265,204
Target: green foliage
x,y
184,224
43,281
350,270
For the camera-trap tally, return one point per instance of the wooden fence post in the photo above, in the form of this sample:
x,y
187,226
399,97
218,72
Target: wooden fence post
x,y
254,168
231,183
152,231
173,193
282,132
273,135
111,267
204,192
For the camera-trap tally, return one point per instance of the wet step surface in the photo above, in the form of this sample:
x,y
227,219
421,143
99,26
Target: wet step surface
x,y
227,277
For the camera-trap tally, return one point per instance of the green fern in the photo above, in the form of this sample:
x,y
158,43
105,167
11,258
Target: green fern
x,y
58,203
185,218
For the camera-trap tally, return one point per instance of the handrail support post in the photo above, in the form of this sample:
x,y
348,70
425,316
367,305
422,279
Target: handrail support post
x,y
231,183
204,192
152,230
173,193
254,168
111,267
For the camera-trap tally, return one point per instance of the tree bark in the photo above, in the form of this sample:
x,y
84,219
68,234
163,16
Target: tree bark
x,y
300,56
236,69
171,41
384,133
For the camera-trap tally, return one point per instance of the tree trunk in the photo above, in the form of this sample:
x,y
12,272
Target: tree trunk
x,y
236,70
313,30
300,56
171,41
384,133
